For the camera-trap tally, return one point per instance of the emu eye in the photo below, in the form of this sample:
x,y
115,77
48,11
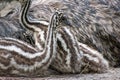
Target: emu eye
x,y
63,18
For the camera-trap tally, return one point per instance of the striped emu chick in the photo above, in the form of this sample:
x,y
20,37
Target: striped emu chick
x,y
70,57
20,58
70,48
75,57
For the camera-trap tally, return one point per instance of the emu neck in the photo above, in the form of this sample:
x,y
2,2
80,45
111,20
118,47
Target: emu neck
x,y
31,25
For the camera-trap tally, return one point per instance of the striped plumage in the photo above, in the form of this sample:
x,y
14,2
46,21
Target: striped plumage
x,y
39,28
70,43
24,20
96,22
75,57
70,57
93,61
20,58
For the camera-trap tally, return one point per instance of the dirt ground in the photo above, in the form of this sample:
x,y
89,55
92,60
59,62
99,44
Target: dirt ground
x,y
112,74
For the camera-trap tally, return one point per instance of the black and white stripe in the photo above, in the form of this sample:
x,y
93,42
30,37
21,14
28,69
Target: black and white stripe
x,y
23,58
71,55
39,28
24,20
74,57
68,59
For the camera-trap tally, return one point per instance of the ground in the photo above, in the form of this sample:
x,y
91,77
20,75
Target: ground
x,y
112,74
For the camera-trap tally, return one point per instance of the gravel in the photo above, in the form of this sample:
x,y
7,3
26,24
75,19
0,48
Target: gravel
x,y
112,74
